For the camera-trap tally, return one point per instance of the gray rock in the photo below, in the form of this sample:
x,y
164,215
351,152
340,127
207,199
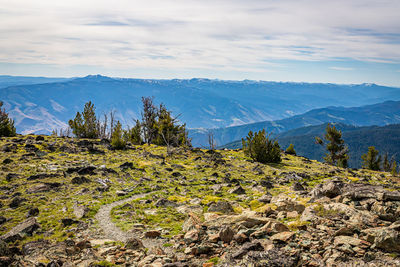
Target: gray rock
x,y
221,206
237,190
226,234
134,243
246,248
18,232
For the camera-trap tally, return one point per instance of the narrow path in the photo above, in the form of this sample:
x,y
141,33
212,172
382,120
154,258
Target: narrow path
x,y
103,216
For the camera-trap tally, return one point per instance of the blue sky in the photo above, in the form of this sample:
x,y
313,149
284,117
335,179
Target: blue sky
x,y
353,41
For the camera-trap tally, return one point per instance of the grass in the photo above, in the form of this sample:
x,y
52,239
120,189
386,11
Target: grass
x,y
198,174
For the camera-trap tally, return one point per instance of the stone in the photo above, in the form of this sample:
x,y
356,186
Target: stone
x,y
133,243
162,202
283,236
226,234
27,227
68,221
16,202
265,198
80,211
349,240
126,165
80,180
152,234
192,236
4,250
39,188
33,212
246,248
329,189
121,193
238,190
83,244
2,220
385,238
221,206
297,186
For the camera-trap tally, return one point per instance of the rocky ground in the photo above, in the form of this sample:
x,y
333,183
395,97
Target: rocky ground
x,y
67,202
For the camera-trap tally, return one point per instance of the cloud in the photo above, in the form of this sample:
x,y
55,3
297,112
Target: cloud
x,y
341,68
184,34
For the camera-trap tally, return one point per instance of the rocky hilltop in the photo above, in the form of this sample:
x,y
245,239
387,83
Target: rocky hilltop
x,y
67,202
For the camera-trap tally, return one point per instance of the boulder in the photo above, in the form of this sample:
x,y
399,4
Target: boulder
x,y
238,190
192,236
80,180
80,211
221,206
133,243
19,231
246,248
152,234
283,236
226,234
329,189
385,238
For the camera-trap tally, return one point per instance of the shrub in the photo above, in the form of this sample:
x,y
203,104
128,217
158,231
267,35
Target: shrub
x,y
85,125
6,124
372,159
290,150
261,148
134,134
337,151
117,142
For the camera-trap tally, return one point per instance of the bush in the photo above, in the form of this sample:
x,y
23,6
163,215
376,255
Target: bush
x,y
260,148
85,125
117,142
290,150
6,124
337,150
371,160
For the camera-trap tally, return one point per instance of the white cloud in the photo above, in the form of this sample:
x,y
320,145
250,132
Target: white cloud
x,y
341,68
221,34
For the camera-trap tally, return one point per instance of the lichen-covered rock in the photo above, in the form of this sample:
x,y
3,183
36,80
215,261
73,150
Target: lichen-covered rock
x,y
18,232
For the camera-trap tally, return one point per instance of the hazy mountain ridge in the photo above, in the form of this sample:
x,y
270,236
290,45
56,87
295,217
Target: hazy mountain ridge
x,y
201,103
378,114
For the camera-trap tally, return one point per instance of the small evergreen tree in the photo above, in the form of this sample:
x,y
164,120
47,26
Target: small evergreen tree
x,y
149,116
169,133
117,142
394,169
261,148
85,125
337,151
134,134
372,159
290,150
6,124
386,163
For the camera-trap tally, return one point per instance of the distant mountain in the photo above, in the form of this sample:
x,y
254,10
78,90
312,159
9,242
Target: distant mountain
x,y
378,114
201,103
386,139
6,80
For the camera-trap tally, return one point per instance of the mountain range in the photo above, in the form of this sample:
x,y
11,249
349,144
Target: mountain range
x,y
378,114
49,103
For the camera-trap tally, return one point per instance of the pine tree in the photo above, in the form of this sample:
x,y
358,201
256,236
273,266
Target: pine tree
x,y
394,169
90,121
372,159
117,141
85,125
337,151
290,150
386,163
261,148
134,134
149,116
6,124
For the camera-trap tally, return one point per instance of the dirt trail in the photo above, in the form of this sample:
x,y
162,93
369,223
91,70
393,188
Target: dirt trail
x,y
111,231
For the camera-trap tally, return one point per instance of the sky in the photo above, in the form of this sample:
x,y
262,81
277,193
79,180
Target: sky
x,y
341,41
